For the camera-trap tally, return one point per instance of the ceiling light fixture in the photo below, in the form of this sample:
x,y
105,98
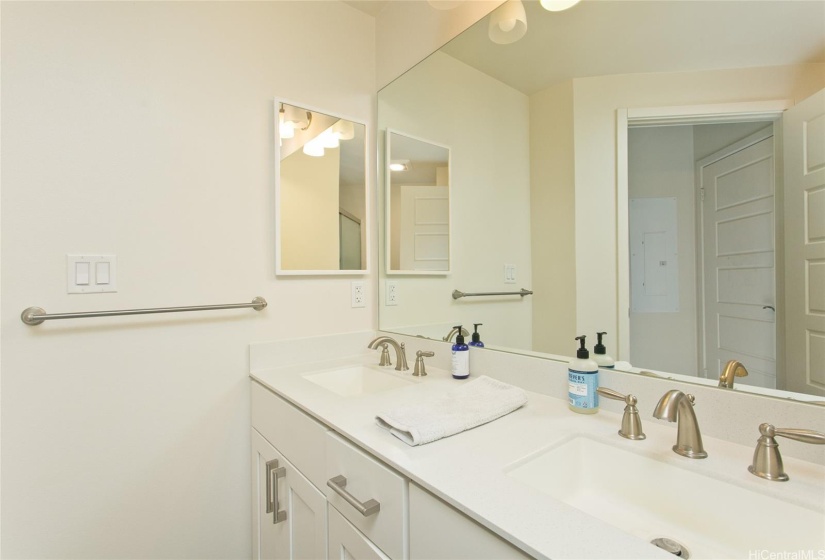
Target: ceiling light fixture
x,y
508,23
558,5
400,165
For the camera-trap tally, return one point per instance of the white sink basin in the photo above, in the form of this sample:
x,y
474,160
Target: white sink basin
x,y
358,380
651,499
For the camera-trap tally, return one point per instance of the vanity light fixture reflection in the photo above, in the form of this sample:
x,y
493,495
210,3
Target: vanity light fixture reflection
x,y
558,5
508,23
400,165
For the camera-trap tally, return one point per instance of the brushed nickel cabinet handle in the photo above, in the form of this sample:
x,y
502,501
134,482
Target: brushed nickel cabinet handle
x,y
339,485
272,500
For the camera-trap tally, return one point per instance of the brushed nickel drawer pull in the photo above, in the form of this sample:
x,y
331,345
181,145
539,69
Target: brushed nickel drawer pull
x,y
272,500
339,484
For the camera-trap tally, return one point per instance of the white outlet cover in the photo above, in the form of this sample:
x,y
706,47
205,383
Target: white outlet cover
x,y
391,292
359,294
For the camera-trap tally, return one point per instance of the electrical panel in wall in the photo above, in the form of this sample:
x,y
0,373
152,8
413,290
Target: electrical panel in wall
x,y
654,257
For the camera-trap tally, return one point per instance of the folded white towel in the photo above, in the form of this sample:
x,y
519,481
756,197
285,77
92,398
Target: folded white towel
x,y
474,403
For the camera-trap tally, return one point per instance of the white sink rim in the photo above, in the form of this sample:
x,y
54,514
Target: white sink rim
x,y
691,520
358,379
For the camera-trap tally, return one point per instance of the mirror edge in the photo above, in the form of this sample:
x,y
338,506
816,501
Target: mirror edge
x,y
276,150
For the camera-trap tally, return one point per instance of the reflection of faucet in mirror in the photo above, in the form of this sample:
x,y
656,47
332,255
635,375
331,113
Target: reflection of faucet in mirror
x,y
400,353
454,331
676,406
732,370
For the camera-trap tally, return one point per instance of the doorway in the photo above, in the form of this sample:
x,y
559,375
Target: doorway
x,y
718,180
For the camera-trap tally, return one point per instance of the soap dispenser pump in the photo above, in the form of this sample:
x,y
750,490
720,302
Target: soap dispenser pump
x,y
461,357
600,353
582,382
476,341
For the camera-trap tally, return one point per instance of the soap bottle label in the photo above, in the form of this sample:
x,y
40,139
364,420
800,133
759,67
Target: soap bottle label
x,y
461,364
581,388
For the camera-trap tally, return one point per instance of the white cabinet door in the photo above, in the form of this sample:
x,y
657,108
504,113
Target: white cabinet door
x,y
348,543
289,513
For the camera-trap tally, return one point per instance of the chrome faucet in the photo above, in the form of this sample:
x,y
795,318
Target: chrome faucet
x,y
677,406
454,331
733,369
400,354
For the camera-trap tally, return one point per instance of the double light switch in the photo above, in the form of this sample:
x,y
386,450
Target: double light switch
x,y
88,274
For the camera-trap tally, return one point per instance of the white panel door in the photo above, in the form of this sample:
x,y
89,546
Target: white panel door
x,y
295,528
739,281
804,147
425,228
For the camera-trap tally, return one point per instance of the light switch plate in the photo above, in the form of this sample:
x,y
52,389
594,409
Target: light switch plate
x,y
91,274
509,274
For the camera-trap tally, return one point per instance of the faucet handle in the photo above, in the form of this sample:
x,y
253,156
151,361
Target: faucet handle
x,y
767,462
420,370
385,355
631,421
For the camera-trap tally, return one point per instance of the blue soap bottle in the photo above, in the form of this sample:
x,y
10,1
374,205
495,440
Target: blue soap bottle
x,y
582,382
461,357
476,341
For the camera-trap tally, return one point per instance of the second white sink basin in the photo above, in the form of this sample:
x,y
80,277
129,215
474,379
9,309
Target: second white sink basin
x,y
652,499
358,380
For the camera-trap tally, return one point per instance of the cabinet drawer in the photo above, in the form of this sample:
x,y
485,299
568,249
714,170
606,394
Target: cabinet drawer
x,y
297,436
368,479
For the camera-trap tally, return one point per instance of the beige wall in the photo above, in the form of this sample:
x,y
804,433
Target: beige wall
x,y
440,101
309,211
552,216
145,129
595,103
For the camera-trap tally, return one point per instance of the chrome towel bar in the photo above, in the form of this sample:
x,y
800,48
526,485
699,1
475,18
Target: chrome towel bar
x,y
458,295
36,315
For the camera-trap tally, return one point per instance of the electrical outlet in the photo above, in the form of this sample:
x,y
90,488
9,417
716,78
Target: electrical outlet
x,y
359,296
391,292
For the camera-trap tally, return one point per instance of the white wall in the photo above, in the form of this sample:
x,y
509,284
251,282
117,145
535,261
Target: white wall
x,y
660,164
595,103
145,130
446,102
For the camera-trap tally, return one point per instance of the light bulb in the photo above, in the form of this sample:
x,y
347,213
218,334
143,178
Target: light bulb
x,y
507,25
314,148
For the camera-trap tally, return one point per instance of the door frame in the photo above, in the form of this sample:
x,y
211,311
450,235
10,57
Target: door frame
x,y
626,118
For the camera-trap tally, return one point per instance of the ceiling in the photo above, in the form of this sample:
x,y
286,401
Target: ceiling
x,y
369,7
622,37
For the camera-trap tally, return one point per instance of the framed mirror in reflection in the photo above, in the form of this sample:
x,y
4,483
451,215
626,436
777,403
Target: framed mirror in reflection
x,y
605,124
322,204
418,208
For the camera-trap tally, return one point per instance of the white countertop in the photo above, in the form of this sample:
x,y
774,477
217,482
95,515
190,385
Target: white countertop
x,y
468,470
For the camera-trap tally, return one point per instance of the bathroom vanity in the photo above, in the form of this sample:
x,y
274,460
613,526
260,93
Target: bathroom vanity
x,y
541,482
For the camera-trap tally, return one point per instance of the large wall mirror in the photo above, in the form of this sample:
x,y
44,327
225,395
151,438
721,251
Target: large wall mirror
x,y
321,193
580,155
418,209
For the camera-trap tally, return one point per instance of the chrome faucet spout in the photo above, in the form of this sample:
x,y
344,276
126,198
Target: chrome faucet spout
x,y
733,369
676,406
454,331
400,352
